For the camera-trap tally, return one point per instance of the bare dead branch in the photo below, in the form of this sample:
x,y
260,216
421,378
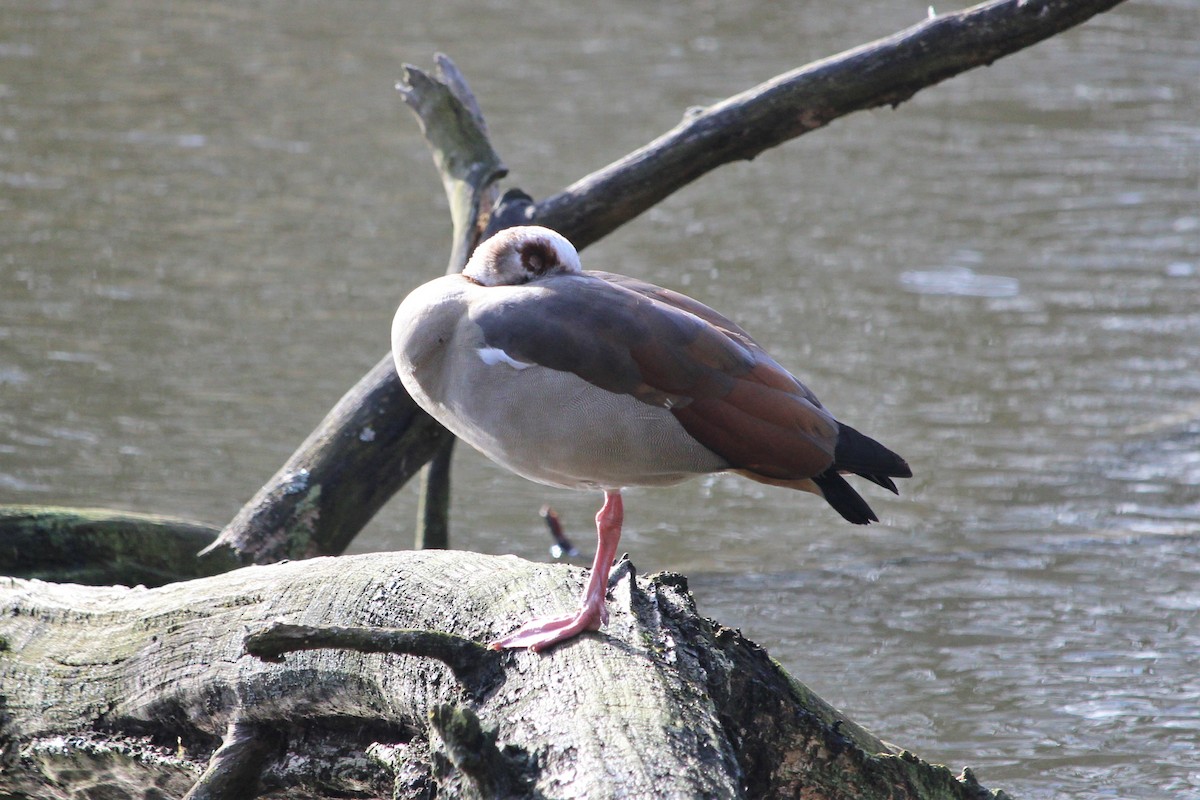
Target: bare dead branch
x,y
885,72
474,665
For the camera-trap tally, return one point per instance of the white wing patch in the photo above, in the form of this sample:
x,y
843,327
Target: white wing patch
x,y
494,355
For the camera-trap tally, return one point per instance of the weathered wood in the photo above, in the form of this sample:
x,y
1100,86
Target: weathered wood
x,y
128,688
373,441
663,703
433,509
235,768
454,127
475,666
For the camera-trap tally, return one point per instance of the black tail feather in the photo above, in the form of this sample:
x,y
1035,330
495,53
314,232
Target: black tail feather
x,y
867,458
881,480
841,495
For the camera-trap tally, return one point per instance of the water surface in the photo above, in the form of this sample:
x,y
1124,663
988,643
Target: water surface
x,y
209,212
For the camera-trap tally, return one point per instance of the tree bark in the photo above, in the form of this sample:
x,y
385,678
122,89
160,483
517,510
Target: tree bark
x,y
376,438
130,688
372,442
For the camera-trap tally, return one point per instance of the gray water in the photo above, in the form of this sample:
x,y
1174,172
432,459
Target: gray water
x,y
208,213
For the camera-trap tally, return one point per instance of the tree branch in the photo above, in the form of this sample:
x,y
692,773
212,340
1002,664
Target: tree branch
x,y
471,751
284,521
453,124
474,666
372,442
433,509
234,768
884,72
376,438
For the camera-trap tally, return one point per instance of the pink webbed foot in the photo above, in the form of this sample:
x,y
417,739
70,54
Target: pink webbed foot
x,y
543,632
540,633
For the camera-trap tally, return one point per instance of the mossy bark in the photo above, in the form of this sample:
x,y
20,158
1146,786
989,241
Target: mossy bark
x,y
103,546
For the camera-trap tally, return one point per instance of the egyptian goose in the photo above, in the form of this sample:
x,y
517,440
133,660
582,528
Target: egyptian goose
x,y
590,380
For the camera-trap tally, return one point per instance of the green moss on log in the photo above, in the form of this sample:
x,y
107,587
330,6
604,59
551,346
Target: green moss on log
x,y
98,546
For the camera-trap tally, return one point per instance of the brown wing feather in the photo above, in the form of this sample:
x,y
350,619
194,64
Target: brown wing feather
x,y
756,416
574,324
669,350
761,427
681,301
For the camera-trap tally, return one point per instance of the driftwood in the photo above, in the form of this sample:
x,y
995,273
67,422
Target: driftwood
x,y
135,688
118,689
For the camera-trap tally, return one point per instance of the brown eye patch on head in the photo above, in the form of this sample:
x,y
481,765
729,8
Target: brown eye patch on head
x,y
538,256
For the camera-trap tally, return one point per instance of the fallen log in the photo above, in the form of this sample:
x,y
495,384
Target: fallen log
x,y
103,546
129,688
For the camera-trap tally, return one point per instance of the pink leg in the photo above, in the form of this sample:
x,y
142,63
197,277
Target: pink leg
x,y
540,633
